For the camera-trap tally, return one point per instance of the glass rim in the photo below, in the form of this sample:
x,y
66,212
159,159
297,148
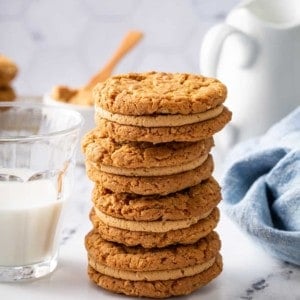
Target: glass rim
x,y
41,106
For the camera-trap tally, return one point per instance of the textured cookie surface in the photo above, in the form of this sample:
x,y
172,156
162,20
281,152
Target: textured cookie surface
x,y
118,256
7,94
8,70
191,202
186,133
154,239
157,289
159,93
150,185
106,151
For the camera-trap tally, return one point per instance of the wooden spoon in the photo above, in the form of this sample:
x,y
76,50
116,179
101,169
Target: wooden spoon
x,y
128,42
83,96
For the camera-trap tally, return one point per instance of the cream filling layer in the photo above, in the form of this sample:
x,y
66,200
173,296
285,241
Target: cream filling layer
x,y
151,275
152,226
159,120
156,171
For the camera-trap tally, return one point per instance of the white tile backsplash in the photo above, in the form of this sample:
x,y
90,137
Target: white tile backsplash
x,y
168,24
112,9
67,41
56,23
12,8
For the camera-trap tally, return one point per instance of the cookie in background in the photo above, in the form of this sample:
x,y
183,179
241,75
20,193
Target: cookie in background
x,y
8,71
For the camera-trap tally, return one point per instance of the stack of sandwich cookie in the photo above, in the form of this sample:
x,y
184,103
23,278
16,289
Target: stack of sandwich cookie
x,y
8,71
154,200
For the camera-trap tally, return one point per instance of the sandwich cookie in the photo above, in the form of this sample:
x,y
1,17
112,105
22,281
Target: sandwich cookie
x,y
148,185
144,159
159,288
116,267
160,107
185,133
153,233
192,202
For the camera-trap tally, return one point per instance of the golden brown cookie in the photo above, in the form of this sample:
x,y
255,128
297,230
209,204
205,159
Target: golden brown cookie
x,y
186,133
143,159
120,257
7,93
146,239
148,185
191,202
8,70
158,288
159,93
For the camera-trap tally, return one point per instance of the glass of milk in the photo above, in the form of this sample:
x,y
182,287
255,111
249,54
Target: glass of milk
x,y
37,147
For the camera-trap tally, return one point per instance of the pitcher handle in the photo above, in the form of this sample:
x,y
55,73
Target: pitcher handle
x,y
212,46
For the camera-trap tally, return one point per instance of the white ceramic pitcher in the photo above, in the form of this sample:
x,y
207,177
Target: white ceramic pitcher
x,y
256,53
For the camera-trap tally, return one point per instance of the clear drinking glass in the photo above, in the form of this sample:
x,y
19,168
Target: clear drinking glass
x,y
37,147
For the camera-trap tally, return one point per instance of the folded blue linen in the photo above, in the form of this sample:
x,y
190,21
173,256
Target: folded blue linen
x,y
261,188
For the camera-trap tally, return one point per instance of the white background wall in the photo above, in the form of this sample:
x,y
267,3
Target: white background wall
x,y
66,41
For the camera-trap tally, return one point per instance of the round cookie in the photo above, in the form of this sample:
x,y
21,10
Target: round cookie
x,y
144,159
186,133
8,70
149,185
106,151
159,93
159,288
7,94
120,257
194,201
187,235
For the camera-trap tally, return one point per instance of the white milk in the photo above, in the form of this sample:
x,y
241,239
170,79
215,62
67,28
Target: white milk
x,y
29,215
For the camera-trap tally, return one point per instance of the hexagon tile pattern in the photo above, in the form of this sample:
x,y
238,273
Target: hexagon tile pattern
x,y
66,42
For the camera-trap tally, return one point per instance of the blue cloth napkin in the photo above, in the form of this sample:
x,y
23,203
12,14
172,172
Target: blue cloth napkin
x,y
261,188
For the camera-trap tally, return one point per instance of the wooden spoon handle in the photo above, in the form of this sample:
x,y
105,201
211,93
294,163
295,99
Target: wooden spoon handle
x,y
128,42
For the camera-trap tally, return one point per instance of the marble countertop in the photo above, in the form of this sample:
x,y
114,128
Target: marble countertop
x,y
249,273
